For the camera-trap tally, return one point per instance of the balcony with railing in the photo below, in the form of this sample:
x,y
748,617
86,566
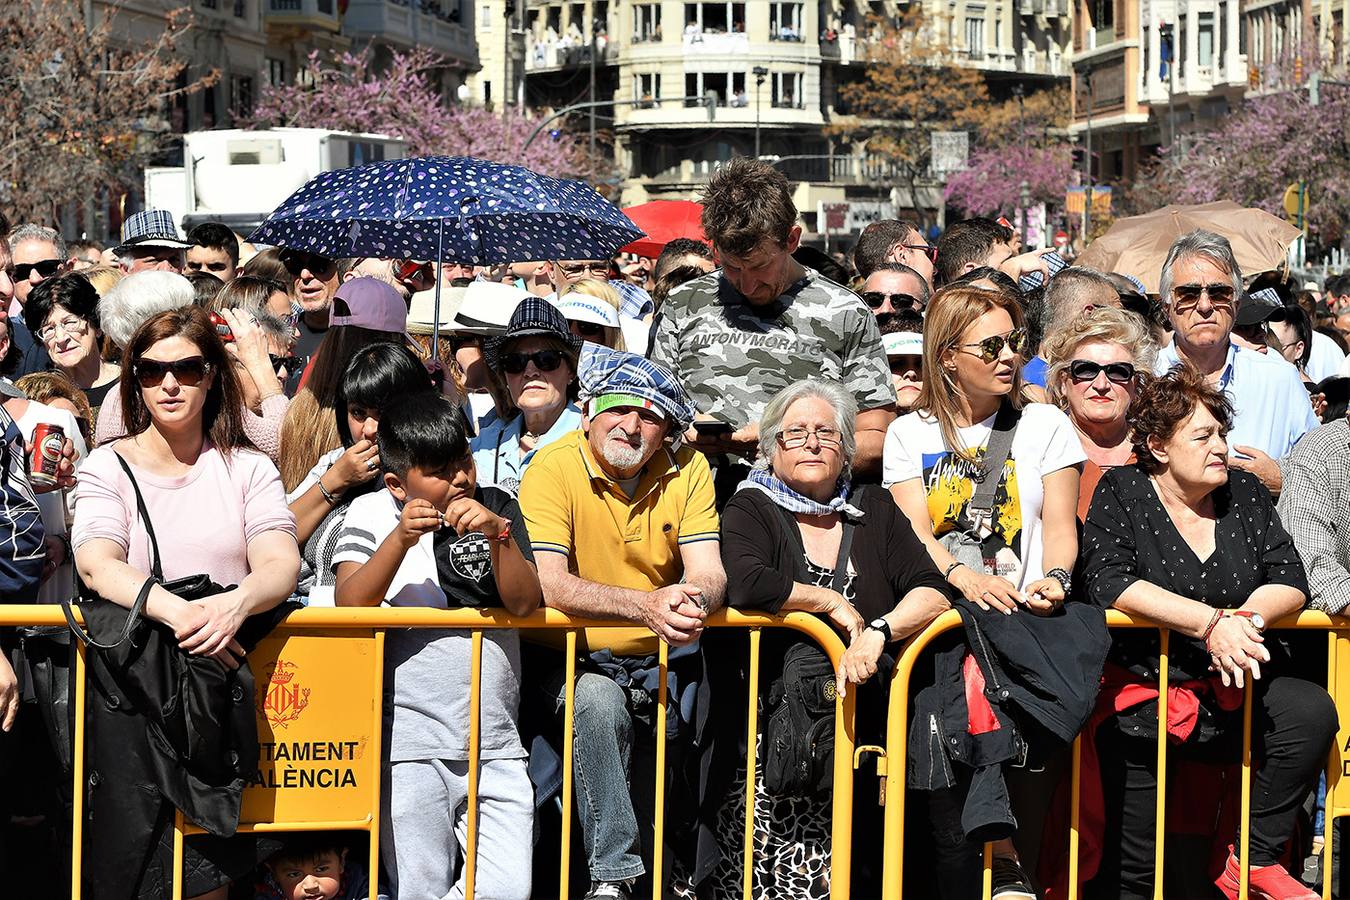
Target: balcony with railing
x,y
441,25
567,52
310,12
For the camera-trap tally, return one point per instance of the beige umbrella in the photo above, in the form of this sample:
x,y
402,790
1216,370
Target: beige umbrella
x,y
1138,245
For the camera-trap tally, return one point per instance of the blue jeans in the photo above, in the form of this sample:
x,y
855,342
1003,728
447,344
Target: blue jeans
x,y
602,748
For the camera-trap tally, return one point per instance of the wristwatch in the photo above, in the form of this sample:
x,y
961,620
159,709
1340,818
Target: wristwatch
x,y
880,624
1258,621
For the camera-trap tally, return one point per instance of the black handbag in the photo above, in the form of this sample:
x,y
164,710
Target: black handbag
x,y
117,635
798,742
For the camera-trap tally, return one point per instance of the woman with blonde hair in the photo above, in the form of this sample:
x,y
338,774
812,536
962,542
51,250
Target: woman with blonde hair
x,y
1096,366
591,307
990,484
55,389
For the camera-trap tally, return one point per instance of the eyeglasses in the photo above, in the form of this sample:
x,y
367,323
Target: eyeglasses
x,y
588,330
44,267
928,250
72,326
297,261
188,372
410,269
1187,295
991,348
792,438
1085,370
544,361
875,300
598,268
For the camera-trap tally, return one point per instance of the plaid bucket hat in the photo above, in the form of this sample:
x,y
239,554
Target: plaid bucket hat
x,y
150,228
534,317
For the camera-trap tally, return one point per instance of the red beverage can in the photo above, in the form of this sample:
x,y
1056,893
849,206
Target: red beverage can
x,y
48,440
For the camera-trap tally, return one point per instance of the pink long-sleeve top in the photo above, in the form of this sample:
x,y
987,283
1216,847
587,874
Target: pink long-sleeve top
x,y
203,520
263,430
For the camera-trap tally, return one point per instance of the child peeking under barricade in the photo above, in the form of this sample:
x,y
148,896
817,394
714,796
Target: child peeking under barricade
x,y
312,867
433,537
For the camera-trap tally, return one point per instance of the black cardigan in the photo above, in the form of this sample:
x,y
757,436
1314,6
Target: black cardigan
x,y
763,554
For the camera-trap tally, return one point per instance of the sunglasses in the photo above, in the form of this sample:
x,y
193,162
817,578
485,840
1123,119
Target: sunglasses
x,y
1085,370
291,363
902,365
44,267
991,348
459,343
928,250
544,361
188,372
1189,294
588,330
875,300
297,261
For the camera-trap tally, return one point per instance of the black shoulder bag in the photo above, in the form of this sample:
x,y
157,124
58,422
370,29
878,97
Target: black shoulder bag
x,y
798,748
117,635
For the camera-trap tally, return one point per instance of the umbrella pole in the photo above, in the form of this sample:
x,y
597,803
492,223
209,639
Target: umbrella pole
x,y
436,306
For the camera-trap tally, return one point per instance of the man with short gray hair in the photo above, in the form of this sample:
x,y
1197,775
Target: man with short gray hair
x,y
36,253
1199,288
1072,292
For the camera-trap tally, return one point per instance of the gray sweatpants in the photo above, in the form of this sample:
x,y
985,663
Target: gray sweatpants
x,y
425,827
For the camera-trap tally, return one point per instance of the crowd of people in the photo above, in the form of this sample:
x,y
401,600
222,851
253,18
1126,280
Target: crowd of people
x,y
742,422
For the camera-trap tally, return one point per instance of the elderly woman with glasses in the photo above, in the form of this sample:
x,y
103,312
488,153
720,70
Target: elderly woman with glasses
x,y
537,358
1095,364
798,536
64,315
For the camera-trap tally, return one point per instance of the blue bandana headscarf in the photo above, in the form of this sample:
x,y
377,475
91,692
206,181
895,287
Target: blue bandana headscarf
x,y
761,479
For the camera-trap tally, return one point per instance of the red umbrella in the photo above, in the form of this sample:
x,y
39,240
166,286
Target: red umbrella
x,y
664,221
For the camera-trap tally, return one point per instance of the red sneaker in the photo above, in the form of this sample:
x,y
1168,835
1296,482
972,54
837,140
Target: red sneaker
x,y
1263,882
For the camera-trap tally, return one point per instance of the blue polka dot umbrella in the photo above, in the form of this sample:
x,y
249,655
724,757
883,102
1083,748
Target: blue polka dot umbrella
x,y
451,209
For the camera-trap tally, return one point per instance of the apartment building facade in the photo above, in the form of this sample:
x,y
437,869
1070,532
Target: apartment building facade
x,y
774,67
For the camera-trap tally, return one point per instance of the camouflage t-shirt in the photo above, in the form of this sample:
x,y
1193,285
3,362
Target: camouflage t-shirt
x,y
733,357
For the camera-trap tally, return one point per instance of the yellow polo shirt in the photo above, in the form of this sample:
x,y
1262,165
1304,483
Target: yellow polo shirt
x,y
572,507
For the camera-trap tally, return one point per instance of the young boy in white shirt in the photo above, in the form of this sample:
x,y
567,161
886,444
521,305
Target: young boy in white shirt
x,y
433,537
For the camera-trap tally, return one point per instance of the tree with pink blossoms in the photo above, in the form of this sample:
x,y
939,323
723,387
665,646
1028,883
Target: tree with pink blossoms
x,y
1255,153
992,181
403,100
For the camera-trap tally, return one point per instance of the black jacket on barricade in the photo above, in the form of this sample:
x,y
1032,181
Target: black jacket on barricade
x,y
188,741
1009,675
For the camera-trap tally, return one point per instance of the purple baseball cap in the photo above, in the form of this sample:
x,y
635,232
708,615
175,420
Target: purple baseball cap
x,y
369,303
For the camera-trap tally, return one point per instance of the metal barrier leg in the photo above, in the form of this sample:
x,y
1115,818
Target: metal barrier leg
x,y
77,807
475,703
987,873
1245,818
751,769
376,769
841,814
569,699
659,830
1160,823
1333,770
177,871
1075,798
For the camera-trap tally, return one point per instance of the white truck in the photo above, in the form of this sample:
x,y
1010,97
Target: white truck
x,y
237,176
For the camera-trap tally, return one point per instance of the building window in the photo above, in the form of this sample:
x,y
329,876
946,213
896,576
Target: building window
x,y
276,72
714,18
1181,44
485,20
325,7
998,28
211,4
487,93
730,87
241,96
1104,19
1204,39
975,36
1223,36
787,90
1148,56
240,9
785,21
646,22
647,89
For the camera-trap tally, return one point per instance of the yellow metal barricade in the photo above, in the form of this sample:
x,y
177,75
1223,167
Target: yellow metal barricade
x,y
318,702
1338,788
